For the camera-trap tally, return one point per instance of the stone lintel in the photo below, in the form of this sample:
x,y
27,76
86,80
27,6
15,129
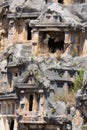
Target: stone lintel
x,y
23,15
41,126
56,29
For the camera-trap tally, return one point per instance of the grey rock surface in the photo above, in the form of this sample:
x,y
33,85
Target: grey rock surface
x,y
79,10
34,5
44,71
71,15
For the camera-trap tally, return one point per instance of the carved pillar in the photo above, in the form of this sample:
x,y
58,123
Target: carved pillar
x,y
2,124
34,102
85,45
67,42
67,37
7,125
11,32
15,125
35,39
26,103
41,101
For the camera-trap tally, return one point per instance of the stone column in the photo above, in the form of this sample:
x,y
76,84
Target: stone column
x,y
7,125
67,37
15,125
34,102
35,39
67,41
11,32
41,100
2,124
85,46
26,103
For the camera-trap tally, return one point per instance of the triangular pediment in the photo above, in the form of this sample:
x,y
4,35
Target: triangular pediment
x,y
55,14
30,78
52,17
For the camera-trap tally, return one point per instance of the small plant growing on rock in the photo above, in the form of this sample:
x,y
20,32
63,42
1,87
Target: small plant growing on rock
x,y
53,110
78,80
67,98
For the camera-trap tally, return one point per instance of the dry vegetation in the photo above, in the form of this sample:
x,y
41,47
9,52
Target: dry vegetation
x,y
67,98
84,127
78,80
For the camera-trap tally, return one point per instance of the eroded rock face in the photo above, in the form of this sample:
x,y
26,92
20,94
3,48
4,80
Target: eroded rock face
x,y
27,5
40,72
31,74
81,96
17,30
77,121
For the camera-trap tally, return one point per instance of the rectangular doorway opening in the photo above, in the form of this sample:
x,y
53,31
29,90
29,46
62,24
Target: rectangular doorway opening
x,y
30,102
29,35
12,125
51,42
60,1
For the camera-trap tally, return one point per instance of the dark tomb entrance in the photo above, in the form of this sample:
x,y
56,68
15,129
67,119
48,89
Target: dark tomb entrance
x,y
55,45
31,103
12,125
29,35
60,1
51,41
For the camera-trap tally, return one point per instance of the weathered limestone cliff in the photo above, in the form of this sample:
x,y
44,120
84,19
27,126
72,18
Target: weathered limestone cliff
x,y
43,47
